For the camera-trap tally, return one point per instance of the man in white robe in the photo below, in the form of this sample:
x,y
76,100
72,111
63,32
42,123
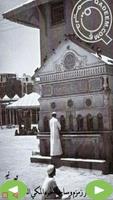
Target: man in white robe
x,y
55,142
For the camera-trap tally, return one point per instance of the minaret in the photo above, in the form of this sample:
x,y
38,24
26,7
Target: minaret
x,y
55,22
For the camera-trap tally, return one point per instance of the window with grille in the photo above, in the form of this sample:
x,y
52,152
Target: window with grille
x,y
57,13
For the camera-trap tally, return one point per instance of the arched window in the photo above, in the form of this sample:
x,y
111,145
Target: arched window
x,y
71,128
46,124
89,122
63,123
79,123
100,121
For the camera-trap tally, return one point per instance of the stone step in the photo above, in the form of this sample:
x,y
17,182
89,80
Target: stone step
x,y
73,162
41,159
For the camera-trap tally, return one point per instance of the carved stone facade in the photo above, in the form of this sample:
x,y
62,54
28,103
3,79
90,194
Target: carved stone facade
x,y
72,87
77,85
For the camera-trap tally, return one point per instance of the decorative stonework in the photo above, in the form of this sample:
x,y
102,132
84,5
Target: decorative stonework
x,y
64,75
74,83
72,87
95,84
46,90
59,67
70,60
67,88
69,56
88,102
53,105
70,103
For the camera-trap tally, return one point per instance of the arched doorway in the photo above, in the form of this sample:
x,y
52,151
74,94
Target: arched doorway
x,y
63,123
79,123
89,122
100,121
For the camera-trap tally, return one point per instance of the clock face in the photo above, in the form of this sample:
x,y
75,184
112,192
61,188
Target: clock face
x,y
70,60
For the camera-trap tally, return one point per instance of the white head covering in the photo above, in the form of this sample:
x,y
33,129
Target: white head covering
x,y
50,169
53,113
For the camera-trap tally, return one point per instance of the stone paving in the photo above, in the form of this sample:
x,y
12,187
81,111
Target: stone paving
x,y
15,153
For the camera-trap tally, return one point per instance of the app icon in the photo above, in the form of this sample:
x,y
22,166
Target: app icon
x,y
99,190
13,190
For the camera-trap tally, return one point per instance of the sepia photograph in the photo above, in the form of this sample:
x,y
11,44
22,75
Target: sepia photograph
x,y
56,99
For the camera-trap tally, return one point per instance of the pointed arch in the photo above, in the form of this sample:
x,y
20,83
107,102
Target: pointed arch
x,y
63,123
100,121
89,122
80,123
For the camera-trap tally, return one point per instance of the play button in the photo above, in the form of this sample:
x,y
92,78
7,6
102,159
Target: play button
x,y
99,190
14,189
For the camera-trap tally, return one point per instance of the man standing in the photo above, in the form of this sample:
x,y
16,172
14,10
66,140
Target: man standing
x,y
55,142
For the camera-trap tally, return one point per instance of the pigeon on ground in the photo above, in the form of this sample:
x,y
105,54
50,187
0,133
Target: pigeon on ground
x,y
7,175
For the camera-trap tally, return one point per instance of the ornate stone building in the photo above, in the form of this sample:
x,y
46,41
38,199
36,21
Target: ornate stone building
x,y
78,85
74,81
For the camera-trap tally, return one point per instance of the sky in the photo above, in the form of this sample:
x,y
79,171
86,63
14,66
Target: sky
x,y
19,45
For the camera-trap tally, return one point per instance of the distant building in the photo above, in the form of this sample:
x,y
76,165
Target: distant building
x,y
6,76
9,85
26,84
11,89
5,115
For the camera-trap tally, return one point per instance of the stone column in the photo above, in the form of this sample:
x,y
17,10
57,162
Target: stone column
x,y
42,115
107,111
13,116
16,118
0,115
75,124
85,123
107,119
36,116
108,149
5,116
10,116
95,123
31,115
